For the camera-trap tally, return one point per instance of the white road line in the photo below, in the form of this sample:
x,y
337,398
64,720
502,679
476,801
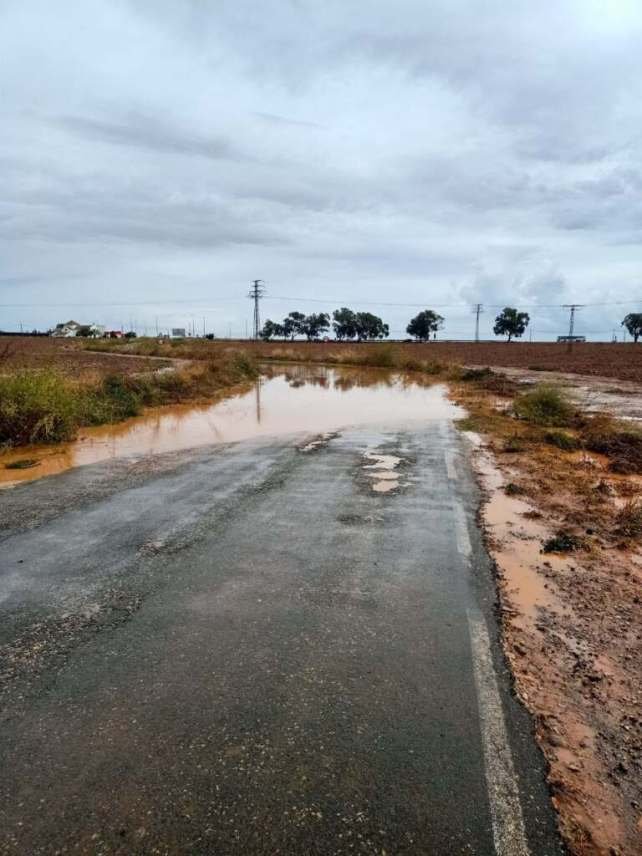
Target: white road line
x,y
450,465
461,532
505,808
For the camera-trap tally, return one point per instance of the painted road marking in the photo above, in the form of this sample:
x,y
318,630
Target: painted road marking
x,y
450,465
461,532
509,833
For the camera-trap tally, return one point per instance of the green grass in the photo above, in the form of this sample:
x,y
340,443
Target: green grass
x,y
562,440
47,407
546,406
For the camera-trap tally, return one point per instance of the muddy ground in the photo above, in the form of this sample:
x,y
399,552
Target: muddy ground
x,y
572,621
69,357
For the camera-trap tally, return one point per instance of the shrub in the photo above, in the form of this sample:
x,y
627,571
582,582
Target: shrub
x,y
620,442
544,405
513,444
562,542
562,440
629,520
37,407
512,489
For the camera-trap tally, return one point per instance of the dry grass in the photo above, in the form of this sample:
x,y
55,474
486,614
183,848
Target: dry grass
x,y
622,361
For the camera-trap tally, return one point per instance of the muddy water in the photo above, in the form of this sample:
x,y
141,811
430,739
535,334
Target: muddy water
x,y
285,400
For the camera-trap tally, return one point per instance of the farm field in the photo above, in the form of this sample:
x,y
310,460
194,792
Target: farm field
x,y
68,356
599,359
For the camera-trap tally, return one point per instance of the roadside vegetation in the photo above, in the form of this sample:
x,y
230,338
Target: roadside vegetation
x,y
47,406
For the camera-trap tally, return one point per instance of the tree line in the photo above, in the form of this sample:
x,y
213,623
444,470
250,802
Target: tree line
x,y
364,326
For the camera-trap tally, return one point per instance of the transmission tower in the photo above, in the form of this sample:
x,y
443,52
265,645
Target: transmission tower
x,y
573,307
256,293
479,308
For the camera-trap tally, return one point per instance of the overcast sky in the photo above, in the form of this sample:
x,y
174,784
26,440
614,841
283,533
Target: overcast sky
x,y
431,152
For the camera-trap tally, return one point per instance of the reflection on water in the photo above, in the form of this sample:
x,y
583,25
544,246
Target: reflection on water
x,y
285,400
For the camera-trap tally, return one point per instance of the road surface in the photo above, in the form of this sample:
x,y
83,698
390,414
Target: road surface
x,y
248,649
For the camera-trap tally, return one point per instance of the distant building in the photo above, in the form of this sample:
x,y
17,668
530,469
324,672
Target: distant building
x,y
571,338
178,333
113,334
71,329
66,330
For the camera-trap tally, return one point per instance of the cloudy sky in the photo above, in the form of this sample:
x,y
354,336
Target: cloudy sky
x,y
158,155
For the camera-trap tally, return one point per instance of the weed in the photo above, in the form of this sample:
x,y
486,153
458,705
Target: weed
x,y
513,444
476,374
562,542
545,405
620,442
512,489
562,440
629,520
37,407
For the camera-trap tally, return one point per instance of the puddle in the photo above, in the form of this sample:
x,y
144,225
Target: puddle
x,y
287,399
383,471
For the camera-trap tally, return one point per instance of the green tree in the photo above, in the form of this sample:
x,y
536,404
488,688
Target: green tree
x,y
315,324
369,326
511,323
272,330
293,325
425,323
344,323
633,323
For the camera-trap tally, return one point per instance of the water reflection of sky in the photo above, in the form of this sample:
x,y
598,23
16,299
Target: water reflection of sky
x,y
287,399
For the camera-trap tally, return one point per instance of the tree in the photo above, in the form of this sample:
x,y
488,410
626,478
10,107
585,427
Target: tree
x,y
633,323
130,334
511,323
425,323
315,324
344,323
369,326
272,330
293,325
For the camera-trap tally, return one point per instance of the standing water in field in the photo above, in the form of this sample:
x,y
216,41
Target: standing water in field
x,y
286,400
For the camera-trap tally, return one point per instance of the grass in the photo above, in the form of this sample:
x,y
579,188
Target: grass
x,y
621,442
45,406
562,542
562,440
628,520
545,406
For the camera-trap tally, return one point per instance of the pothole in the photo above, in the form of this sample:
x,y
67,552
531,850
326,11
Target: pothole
x,y
383,472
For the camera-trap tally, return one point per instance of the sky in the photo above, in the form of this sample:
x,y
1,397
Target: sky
x,y
156,156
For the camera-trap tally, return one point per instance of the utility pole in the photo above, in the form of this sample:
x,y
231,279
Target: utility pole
x,y
479,308
571,324
256,293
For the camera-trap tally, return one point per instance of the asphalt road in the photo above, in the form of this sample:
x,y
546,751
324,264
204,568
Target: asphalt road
x,y
245,649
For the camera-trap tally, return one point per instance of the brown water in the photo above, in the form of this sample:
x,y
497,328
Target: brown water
x,y
285,400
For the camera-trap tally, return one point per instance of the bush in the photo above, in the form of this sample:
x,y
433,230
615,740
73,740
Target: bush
x,y
513,445
545,405
621,443
37,407
562,440
629,520
562,542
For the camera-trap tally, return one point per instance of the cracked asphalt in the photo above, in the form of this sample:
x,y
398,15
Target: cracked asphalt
x,y
245,649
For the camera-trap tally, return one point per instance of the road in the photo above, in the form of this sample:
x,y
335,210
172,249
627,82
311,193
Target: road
x,y
247,649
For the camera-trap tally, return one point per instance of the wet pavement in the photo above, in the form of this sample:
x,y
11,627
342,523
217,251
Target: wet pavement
x,y
251,648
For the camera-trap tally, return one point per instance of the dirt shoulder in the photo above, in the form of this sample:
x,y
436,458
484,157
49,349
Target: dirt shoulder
x,y
571,618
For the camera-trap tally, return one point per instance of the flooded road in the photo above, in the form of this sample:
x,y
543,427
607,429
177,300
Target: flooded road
x,y
282,644
285,400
